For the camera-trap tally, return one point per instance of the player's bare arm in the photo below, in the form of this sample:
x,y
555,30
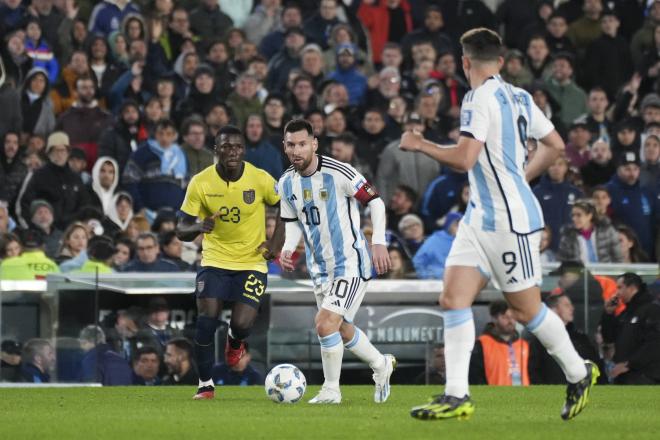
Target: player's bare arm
x,y
549,149
188,228
460,157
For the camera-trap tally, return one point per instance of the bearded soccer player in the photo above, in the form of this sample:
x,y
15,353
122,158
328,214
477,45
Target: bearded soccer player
x,y
320,198
227,203
499,235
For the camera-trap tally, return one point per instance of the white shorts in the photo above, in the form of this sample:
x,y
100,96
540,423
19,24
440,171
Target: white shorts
x,y
342,296
511,261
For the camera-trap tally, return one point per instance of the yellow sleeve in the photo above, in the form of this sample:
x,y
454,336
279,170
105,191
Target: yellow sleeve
x,y
192,203
269,185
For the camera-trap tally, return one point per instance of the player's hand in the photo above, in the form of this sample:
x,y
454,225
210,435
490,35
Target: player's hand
x,y
208,224
620,368
411,140
381,258
264,250
286,261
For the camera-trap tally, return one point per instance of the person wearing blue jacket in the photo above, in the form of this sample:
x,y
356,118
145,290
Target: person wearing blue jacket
x,y
440,196
429,261
107,16
556,195
156,173
99,363
632,204
348,74
40,51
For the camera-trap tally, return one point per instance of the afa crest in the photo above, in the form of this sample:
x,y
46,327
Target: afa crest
x,y
307,195
323,193
249,196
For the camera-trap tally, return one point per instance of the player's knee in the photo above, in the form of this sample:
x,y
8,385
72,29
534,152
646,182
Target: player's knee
x,y
205,329
447,302
522,316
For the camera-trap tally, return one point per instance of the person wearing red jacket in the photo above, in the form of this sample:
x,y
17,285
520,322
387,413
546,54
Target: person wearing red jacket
x,y
386,20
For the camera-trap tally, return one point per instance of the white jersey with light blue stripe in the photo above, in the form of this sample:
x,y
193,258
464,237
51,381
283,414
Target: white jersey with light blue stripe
x,y
327,211
502,117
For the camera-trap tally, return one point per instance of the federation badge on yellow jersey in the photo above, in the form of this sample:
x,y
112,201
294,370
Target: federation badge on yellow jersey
x,y
249,196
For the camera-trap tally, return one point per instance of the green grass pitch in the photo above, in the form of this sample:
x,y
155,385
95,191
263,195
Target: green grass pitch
x,y
245,413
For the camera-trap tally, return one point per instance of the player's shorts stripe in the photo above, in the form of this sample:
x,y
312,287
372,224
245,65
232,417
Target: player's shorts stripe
x,y
529,254
351,296
523,256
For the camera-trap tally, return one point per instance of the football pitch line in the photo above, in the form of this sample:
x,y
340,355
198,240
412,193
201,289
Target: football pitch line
x,y
120,413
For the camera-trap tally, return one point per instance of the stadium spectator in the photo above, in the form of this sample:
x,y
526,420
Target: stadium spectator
x,y
243,373
244,100
264,19
10,100
642,40
38,49
37,361
32,263
10,361
303,99
500,356
400,268
596,117
84,120
105,179
13,15
634,332
291,18
627,139
391,21
148,259
179,362
318,26
547,254
600,167
146,364
5,219
63,93
547,104
402,202
571,98
120,216
608,62
441,197
74,242
208,21
286,59
515,16
590,238
156,172
514,71
157,328
259,151
124,252
632,204
56,183
121,139
543,368
12,169
631,250
556,194
429,260
36,105
165,221
343,148
107,16
100,250
650,168
99,363
104,70
121,329
10,246
198,157
42,217
437,371
411,229
587,28
172,249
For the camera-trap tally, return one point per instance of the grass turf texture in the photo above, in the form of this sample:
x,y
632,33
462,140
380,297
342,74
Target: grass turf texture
x,y
120,413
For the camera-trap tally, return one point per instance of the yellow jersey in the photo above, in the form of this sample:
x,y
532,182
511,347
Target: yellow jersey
x,y
240,225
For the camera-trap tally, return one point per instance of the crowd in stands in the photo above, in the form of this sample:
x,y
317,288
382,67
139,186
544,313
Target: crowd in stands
x,y
108,108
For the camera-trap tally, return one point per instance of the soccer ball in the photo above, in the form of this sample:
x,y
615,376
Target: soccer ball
x,y
285,384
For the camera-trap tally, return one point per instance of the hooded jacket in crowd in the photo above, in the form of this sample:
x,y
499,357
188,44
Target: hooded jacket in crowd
x,y
37,110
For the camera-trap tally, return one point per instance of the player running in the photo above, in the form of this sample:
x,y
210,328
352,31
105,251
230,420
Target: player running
x,y
319,202
499,236
230,199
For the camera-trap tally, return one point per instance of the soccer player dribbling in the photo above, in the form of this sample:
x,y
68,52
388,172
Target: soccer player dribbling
x,y
230,199
319,202
498,238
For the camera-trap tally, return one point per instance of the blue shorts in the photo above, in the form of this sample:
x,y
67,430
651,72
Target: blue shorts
x,y
246,286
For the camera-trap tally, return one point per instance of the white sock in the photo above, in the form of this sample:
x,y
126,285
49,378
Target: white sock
x,y
459,340
332,352
361,347
551,332
206,383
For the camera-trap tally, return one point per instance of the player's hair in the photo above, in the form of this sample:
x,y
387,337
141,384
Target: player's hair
x,y
295,125
497,308
228,130
147,349
32,348
347,138
552,300
482,44
182,344
632,279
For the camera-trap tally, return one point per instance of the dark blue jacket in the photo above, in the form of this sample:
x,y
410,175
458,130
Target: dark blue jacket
x,y
30,373
441,194
636,207
355,82
160,265
148,186
103,365
271,43
265,156
555,199
223,375
107,17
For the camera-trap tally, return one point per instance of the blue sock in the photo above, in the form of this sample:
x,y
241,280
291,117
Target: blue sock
x,y
204,345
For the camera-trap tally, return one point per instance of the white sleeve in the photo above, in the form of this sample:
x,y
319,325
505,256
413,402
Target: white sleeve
x,y
475,116
539,125
293,233
378,220
287,211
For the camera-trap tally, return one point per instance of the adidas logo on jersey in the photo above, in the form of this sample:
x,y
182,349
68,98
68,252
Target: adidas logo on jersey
x,y
336,303
293,197
512,280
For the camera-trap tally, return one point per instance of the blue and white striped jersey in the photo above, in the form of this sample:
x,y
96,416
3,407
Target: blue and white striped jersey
x,y
502,117
325,205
